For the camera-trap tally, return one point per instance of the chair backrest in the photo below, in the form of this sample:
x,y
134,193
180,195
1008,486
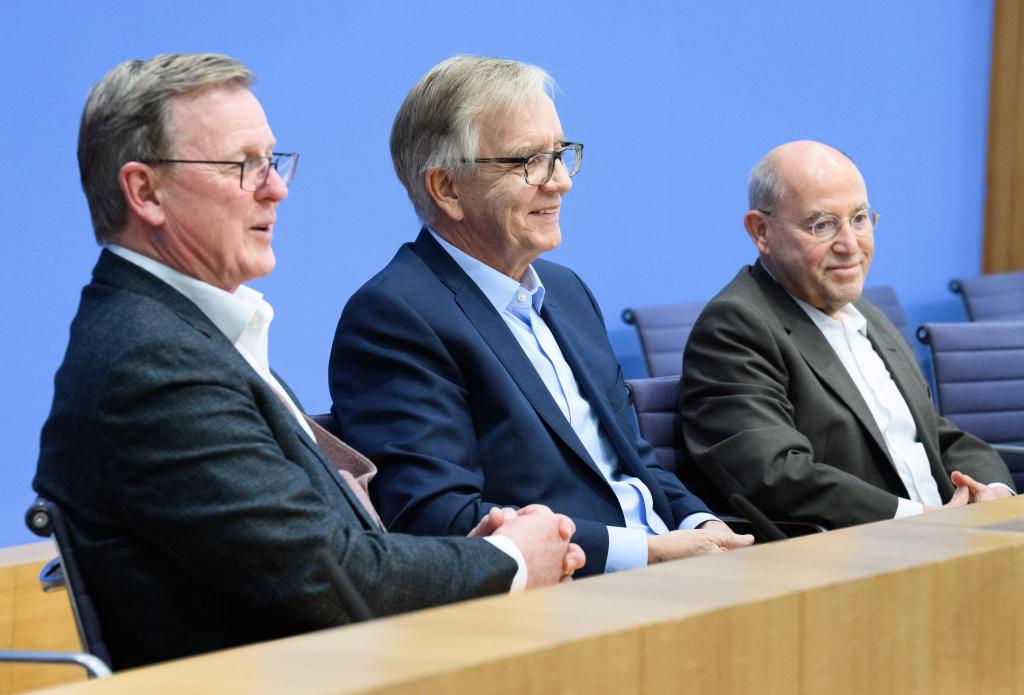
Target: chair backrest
x,y
993,297
327,421
44,518
884,298
663,331
657,414
979,380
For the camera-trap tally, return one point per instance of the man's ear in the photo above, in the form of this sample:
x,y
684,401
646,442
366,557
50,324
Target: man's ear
x,y
444,190
140,185
757,227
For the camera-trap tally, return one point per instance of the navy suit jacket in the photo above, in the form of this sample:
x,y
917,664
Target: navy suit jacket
x,y
196,502
429,382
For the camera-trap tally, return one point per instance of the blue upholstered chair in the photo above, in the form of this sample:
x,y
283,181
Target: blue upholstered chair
x,y
44,518
664,329
993,297
656,403
979,378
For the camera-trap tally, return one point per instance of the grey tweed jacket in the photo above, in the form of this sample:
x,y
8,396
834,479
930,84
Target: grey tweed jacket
x,y
195,501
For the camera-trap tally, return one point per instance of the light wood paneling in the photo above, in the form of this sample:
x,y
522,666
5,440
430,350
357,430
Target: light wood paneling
x,y
930,604
1004,226
33,619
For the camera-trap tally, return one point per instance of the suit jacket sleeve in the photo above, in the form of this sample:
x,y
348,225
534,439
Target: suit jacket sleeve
x,y
400,397
739,424
207,468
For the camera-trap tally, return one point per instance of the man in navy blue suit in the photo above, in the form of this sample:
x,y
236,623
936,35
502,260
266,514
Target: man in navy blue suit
x,y
474,374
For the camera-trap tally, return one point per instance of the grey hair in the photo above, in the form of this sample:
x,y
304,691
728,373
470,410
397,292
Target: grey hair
x,y
765,188
438,125
127,118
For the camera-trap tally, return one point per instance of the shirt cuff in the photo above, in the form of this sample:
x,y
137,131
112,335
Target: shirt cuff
x,y
1004,486
627,549
696,519
906,507
509,547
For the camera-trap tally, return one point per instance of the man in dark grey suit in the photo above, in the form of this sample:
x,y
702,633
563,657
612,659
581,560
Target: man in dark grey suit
x,y
802,395
197,499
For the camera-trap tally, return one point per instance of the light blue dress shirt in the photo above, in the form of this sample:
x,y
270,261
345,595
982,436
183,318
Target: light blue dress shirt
x,y
519,305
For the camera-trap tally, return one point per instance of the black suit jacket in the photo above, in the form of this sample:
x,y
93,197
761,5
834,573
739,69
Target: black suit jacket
x,y
769,410
430,383
195,500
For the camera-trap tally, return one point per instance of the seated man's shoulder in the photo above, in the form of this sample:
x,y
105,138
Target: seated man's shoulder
x,y
406,276
742,302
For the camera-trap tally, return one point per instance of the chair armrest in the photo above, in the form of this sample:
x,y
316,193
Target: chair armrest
x,y
792,529
1009,448
93,665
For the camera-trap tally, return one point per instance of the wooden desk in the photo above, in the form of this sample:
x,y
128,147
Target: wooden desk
x,y
928,604
33,619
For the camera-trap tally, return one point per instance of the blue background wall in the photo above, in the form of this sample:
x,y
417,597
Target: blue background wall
x,y
675,102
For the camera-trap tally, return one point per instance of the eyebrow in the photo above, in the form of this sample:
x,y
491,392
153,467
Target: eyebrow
x,y
527,150
814,215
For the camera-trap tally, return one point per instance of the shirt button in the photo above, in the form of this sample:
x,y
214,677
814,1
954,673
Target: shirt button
x,y
521,297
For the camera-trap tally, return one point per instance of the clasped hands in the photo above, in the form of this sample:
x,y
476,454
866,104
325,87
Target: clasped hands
x,y
541,536
970,491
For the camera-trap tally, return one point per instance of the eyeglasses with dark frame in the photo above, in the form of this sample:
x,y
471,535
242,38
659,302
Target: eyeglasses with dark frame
x,y
539,167
254,170
826,227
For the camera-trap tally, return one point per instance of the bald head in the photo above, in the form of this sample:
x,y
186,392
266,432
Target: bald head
x,y
798,193
776,171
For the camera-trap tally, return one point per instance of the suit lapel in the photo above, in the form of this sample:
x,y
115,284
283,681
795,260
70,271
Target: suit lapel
x,y
574,350
499,338
902,372
818,354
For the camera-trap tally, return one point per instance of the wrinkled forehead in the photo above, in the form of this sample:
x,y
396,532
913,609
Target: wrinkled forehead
x,y
230,117
532,119
828,183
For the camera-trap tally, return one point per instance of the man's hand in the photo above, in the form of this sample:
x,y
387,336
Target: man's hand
x,y
492,521
728,539
978,492
713,537
960,497
543,538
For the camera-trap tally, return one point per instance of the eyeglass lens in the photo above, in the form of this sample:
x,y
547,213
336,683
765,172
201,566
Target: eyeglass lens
x,y
257,169
540,167
828,226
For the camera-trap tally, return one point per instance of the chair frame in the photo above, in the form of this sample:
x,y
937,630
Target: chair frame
x,y
43,519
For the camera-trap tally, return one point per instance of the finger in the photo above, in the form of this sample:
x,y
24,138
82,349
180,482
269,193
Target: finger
x,y
574,559
566,527
960,497
962,479
741,540
534,509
